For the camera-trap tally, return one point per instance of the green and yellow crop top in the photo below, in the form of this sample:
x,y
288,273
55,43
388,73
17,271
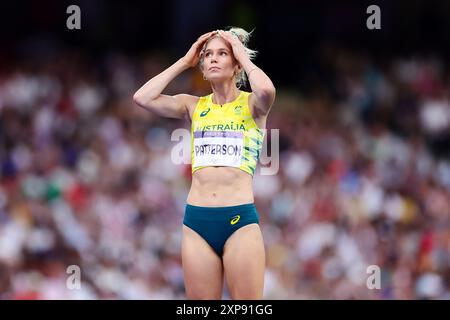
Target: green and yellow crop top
x,y
225,135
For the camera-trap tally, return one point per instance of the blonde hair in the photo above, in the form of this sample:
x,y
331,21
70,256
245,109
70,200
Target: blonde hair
x,y
244,37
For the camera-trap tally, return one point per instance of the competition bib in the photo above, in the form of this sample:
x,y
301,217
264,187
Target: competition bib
x,y
218,148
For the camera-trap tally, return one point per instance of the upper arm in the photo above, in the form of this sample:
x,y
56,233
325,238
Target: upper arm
x,y
176,106
262,103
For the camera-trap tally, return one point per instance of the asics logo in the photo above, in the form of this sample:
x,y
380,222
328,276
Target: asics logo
x,y
204,113
235,220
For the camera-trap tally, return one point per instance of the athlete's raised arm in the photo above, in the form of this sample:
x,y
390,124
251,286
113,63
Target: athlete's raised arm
x,y
149,95
263,90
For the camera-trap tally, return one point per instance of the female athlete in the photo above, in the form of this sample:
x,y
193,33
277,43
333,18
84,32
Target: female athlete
x,y
221,234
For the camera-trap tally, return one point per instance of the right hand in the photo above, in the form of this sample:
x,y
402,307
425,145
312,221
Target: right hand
x,y
192,57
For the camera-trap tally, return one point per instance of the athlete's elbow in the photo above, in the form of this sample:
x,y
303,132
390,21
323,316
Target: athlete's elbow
x,y
138,99
142,101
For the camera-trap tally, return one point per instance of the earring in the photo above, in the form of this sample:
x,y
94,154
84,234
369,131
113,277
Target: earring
x,y
204,78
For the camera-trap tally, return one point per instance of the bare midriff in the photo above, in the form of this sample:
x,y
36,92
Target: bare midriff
x,y
220,187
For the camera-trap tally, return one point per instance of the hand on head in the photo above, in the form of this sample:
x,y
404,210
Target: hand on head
x,y
192,57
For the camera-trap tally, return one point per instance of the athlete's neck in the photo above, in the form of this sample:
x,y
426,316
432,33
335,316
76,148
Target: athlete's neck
x,y
224,92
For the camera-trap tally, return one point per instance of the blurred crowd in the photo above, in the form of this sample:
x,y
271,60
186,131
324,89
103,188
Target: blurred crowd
x,y
86,179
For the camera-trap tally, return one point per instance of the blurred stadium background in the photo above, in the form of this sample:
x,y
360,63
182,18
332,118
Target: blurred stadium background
x,y
364,118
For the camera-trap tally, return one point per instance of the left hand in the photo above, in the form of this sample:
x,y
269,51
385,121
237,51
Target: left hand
x,y
236,45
